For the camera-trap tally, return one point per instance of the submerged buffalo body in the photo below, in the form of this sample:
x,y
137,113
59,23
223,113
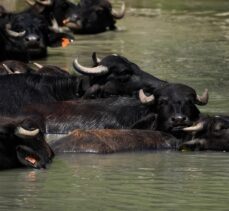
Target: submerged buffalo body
x,y
22,144
122,113
111,141
116,112
18,90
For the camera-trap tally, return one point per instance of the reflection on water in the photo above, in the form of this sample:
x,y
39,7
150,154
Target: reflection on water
x,y
126,181
179,41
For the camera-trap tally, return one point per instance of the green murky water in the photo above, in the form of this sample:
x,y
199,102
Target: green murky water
x,y
183,41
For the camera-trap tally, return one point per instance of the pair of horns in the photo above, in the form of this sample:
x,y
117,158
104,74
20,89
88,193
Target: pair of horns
x,y
14,33
200,100
43,2
98,70
121,13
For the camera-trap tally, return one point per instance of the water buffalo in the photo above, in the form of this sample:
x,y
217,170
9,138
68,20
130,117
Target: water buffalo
x,y
175,105
179,111
115,74
111,141
25,36
59,9
210,133
17,90
121,78
87,17
115,112
22,144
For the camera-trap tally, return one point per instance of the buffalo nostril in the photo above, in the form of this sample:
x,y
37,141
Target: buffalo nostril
x,y
32,38
179,119
27,39
184,118
173,119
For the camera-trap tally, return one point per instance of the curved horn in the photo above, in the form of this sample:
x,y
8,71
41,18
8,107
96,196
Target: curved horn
x,y
202,100
8,70
14,33
194,128
39,66
20,131
95,59
99,70
55,26
30,2
121,13
44,2
146,99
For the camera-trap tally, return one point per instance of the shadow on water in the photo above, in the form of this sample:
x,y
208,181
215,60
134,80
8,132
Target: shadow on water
x,y
180,41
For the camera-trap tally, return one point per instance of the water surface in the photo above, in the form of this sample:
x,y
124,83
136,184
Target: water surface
x,y
185,41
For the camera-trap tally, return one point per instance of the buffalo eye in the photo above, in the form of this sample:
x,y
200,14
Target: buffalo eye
x,y
123,78
218,129
163,101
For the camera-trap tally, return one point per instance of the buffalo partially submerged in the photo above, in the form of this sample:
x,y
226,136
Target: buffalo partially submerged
x,y
178,112
121,78
25,36
22,144
87,17
210,133
175,106
111,141
116,75
115,113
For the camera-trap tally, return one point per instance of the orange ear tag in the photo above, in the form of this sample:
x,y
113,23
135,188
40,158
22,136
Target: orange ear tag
x,y
65,42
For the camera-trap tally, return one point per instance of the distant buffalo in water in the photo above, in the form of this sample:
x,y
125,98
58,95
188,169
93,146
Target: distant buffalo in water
x,y
25,36
86,17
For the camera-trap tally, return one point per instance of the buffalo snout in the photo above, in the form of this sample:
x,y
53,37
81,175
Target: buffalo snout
x,y
32,40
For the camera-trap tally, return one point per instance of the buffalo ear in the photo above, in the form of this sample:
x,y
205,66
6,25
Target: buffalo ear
x,y
59,39
27,156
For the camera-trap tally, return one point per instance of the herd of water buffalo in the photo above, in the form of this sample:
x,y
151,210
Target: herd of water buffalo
x,y
111,107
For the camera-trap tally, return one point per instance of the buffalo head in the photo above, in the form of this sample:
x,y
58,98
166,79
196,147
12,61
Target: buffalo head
x,y
22,144
175,105
115,75
210,133
26,35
